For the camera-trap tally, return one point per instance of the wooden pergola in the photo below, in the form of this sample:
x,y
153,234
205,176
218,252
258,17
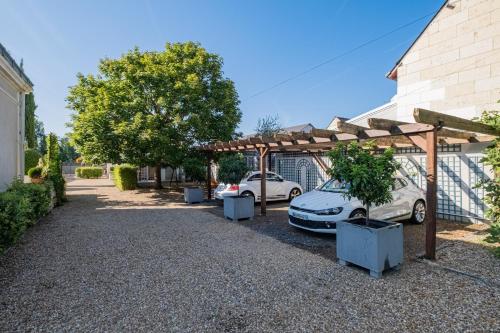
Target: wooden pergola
x,y
429,129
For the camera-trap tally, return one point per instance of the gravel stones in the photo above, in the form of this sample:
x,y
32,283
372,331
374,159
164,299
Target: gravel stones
x,y
145,261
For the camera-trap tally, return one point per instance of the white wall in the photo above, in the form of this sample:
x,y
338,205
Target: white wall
x,y
11,156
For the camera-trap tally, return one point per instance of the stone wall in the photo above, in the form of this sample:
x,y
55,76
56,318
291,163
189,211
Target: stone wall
x,y
454,67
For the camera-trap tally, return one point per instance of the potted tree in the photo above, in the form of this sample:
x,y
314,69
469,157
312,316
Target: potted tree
x,y
232,168
194,169
36,175
373,244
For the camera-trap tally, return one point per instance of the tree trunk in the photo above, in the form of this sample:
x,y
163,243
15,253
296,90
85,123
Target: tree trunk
x,y
158,176
171,176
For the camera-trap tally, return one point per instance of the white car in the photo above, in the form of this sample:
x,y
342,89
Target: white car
x,y
320,209
276,188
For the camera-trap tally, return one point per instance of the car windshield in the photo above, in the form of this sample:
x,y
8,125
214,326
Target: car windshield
x,y
333,185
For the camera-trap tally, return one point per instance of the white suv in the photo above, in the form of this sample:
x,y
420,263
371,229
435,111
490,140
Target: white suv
x,y
277,188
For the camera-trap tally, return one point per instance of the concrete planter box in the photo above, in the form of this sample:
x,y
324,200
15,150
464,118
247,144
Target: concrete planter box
x,y
236,208
377,246
193,195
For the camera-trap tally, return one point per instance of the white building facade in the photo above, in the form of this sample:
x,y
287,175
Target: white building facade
x,y
453,67
14,85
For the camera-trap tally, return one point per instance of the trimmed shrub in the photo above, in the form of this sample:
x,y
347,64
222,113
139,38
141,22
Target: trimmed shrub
x,y
88,172
31,157
39,198
125,177
14,213
20,207
35,172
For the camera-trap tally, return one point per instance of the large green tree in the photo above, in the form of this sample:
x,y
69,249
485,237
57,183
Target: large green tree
x,y
30,121
147,108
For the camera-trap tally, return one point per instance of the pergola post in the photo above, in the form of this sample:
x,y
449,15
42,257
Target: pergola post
x,y
431,199
209,176
263,194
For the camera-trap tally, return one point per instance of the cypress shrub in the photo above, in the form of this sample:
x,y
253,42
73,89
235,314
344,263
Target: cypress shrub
x,y
125,177
53,168
31,158
88,172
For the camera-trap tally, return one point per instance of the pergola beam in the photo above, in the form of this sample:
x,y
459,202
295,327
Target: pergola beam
x,y
439,119
386,124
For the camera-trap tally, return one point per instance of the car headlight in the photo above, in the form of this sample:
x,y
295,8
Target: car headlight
x,y
329,211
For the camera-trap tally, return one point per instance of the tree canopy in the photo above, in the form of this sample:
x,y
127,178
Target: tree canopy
x,y
369,176
148,108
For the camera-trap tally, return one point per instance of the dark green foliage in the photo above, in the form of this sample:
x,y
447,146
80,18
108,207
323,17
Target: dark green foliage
x,y
31,158
35,172
195,168
53,168
125,177
40,137
21,206
30,119
88,172
494,237
492,186
370,177
14,212
232,168
67,151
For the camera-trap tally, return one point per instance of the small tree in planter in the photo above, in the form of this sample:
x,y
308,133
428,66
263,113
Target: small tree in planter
x,y
194,168
370,178
232,168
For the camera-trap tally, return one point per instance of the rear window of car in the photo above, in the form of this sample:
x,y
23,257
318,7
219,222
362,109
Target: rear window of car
x,y
254,177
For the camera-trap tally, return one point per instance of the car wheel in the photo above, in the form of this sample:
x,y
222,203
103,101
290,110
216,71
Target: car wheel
x,y
248,194
357,213
295,192
419,212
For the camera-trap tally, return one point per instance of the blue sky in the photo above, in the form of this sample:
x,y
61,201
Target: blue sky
x,y
262,43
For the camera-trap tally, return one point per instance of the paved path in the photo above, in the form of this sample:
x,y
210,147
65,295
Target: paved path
x,y
139,261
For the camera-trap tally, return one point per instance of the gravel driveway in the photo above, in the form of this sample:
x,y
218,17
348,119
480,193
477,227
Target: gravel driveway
x,y
143,261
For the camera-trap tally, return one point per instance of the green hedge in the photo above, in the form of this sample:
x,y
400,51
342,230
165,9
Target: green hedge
x,y
125,177
20,207
88,172
31,158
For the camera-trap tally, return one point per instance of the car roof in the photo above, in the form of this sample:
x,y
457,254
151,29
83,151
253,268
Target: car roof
x,y
258,173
